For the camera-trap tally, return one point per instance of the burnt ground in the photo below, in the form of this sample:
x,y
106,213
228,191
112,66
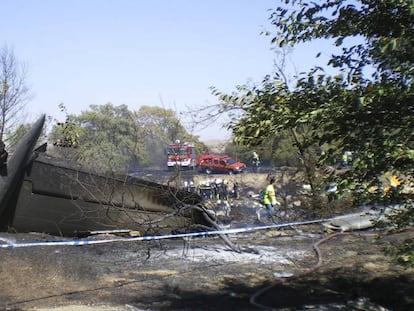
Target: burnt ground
x,y
276,270
290,268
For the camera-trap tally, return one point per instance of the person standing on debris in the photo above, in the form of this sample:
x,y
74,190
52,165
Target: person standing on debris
x,y
192,187
255,161
269,197
236,190
224,191
218,183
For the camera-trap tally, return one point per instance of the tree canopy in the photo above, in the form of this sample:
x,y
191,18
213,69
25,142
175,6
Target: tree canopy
x,y
114,138
365,107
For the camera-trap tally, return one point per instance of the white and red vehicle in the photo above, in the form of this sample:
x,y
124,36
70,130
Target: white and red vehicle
x,y
181,155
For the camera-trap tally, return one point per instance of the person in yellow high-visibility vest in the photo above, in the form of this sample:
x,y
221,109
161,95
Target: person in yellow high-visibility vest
x,y
255,162
269,197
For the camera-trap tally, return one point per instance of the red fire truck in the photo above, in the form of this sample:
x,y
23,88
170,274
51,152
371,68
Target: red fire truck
x,y
181,154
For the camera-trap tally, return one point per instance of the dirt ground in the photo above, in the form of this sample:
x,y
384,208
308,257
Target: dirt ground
x,y
287,268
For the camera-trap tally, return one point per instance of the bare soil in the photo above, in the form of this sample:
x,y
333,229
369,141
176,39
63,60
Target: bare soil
x,y
290,268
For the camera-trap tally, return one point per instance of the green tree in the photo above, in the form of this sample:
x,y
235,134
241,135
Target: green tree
x,y
162,127
365,106
106,137
160,123
113,138
17,134
370,114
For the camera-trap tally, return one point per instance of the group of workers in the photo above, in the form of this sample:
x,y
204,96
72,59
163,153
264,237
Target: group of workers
x,y
219,189
214,190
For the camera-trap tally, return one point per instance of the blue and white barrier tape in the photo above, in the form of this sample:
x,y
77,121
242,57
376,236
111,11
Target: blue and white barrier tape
x,y
157,237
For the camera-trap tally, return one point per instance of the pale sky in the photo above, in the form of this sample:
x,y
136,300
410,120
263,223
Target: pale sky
x,y
164,53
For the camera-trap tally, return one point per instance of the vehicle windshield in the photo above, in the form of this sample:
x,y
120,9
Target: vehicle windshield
x,y
177,151
231,161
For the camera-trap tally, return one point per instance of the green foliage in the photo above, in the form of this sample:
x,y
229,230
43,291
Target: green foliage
x,y
366,107
113,138
242,153
110,138
105,138
402,253
370,115
282,150
162,127
276,150
16,135
159,122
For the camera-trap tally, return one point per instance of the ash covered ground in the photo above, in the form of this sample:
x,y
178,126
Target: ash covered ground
x,y
286,268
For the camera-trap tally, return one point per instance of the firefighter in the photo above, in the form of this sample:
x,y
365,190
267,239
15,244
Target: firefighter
x,y
217,188
224,190
236,190
205,191
269,197
255,161
192,187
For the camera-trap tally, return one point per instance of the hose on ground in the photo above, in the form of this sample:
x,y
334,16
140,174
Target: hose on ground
x,y
256,295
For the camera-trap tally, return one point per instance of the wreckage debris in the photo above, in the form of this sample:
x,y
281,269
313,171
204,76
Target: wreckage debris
x,y
42,194
365,219
58,197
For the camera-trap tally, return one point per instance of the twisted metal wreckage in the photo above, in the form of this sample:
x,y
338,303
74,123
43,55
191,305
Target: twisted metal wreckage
x,y
41,194
59,197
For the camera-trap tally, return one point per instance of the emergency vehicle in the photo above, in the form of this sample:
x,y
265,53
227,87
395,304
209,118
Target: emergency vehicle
x,y
181,155
211,163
